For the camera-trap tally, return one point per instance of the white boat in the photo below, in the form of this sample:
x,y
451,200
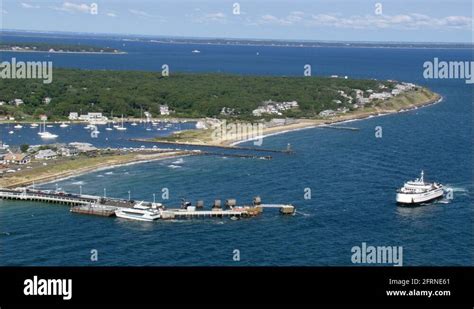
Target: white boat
x,y
418,191
134,124
196,51
121,127
11,132
18,126
47,135
139,213
108,129
34,125
63,125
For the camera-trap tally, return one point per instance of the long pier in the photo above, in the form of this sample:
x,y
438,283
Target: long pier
x,y
101,206
42,196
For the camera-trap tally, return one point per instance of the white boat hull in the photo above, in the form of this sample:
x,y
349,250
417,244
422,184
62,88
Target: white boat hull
x,y
137,216
417,198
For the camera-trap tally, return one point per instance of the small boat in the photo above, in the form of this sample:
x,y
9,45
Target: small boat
x,y
49,126
418,191
34,125
11,132
134,124
63,125
121,127
108,129
47,135
18,126
196,51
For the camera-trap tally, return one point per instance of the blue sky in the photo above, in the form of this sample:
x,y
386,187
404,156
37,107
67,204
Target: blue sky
x,y
348,20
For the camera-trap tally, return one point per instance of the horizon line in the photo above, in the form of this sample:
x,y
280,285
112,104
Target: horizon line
x,y
228,38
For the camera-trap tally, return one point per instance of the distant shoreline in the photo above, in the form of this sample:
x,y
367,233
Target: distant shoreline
x,y
63,52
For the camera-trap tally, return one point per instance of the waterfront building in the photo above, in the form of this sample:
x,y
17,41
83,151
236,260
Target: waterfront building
x,y
17,158
46,154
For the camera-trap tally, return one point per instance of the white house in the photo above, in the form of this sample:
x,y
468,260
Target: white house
x,y
164,110
46,154
17,102
73,116
69,151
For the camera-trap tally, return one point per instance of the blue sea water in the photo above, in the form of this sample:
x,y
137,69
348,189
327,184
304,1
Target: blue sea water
x,y
352,175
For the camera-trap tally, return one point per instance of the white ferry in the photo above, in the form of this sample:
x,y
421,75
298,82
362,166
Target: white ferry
x,y
140,212
418,191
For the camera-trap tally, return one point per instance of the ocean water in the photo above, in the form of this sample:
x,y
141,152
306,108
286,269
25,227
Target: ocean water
x,y
351,174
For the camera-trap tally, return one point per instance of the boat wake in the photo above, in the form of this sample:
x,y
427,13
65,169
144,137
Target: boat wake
x,y
179,161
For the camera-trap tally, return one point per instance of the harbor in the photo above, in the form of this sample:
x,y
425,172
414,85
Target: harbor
x,y
142,211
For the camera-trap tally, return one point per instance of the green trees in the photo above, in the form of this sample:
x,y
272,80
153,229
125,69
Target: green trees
x,y
189,95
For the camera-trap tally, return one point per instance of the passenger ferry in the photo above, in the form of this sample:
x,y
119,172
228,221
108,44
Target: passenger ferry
x,y
140,212
418,191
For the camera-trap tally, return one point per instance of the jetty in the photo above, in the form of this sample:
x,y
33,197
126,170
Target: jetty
x,y
287,150
107,207
339,127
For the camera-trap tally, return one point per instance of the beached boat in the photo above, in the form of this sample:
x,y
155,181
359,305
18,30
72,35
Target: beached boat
x,y
418,191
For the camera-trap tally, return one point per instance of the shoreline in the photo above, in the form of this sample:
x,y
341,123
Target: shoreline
x,y
59,176
202,137
58,52
98,169
369,116
172,155
119,160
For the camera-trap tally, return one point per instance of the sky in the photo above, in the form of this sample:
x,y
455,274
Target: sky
x,y
318,20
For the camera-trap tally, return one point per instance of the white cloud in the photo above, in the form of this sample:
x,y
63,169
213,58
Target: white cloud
x,y
74,7
404,21
143,14
401,21
29,6
217,17
140,13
